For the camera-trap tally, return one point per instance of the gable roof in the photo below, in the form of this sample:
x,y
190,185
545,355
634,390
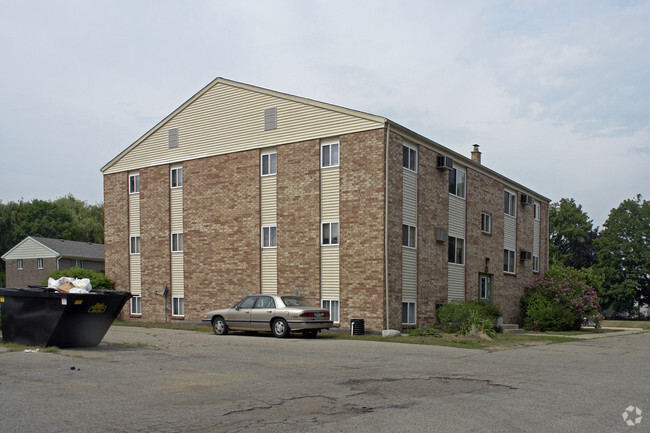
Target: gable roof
x,y
60,247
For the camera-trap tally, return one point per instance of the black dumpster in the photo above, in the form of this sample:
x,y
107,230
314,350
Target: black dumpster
x,y
44,317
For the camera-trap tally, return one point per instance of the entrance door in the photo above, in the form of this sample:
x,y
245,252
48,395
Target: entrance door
x,y
485,287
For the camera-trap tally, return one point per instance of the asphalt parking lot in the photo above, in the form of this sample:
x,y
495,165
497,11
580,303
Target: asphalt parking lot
x,y
159,380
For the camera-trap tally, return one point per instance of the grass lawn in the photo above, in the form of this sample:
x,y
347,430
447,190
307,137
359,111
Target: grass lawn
x,y
641,324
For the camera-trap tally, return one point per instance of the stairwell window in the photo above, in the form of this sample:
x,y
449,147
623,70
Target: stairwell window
x,y
134,184
269,164
457,182
536,211
535,263
409,158
333,306
409,235
135,245
329,155
177,177
408,313
330,233
509,203
269,237
177,242
509,261
136,305
456,250
178,306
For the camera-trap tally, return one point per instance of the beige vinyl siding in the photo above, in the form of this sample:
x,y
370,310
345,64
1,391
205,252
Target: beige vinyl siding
x,y
456,281
135,275
30,249
176,205
229,118
536,229
268,185
134,215
410,198
269,271
409,274
178,276
330,272
330,194
510,232
456,216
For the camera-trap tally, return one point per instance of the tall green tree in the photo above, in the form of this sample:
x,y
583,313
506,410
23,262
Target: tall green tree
x,y
624,255
572,235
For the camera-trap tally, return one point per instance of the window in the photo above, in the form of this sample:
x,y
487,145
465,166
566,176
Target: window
x,y
329,155
136,304
246,303
535,263
509,261
39,263
408,313
135,244
333,306
177,242
265,302
20,264
486,223
409,235
330,234
510,203
134,184
485,287
269,237
409,158
536,211
269,164
457,182
456,250
178,306
79,263
177,177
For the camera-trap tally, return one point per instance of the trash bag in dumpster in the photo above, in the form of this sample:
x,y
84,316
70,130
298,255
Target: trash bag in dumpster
x,y
43,317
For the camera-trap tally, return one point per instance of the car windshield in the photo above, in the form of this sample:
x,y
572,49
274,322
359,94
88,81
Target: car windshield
x,y
292,301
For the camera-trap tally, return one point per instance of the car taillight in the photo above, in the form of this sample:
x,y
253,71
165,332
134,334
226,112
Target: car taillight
x,y
315,314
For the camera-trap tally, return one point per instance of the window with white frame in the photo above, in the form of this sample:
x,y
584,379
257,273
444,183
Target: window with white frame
x,y
329,155
177,177
333,306
409,236
134,183
509,203
484,287
39,263
269,164
456,250
330,233
457,182
409,158
79,263
536,211
20,264
535,263
509,261
177,242
486,222
269,237
136,304
135,245
408,313
178,306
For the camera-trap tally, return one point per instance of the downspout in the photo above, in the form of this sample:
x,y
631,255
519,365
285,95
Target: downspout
x,y
386,225
58,259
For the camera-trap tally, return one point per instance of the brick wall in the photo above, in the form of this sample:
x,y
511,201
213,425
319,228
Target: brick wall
x,y
433,213
155,249
362,273
395,186
221,202
298,217
116,231
30,274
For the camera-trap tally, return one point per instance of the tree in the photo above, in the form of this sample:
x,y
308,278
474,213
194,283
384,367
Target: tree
x,y
624,255
572,235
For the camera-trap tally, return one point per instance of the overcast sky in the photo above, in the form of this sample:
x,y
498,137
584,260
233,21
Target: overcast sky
x,y
557,93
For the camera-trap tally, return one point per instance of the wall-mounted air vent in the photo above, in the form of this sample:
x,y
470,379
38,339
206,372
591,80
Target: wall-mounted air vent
x,y
526,199
525,255
445,162
173,138
441,235
270,118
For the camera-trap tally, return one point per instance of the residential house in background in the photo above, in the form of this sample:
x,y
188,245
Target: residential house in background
x,y
244,190
34,258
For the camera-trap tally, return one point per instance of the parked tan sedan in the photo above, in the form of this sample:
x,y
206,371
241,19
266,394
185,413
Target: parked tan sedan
x,y
278,314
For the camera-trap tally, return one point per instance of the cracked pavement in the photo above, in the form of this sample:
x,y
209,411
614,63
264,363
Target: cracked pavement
x,y
143,380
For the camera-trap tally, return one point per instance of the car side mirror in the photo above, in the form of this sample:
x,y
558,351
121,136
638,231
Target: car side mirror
x,y
236,307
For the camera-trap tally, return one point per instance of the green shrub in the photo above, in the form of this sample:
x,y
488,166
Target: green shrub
x,y
98,281
544,315
429,330
468,317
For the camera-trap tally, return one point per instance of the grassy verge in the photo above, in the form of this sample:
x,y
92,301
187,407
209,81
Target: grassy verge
x,y
16,347
641,324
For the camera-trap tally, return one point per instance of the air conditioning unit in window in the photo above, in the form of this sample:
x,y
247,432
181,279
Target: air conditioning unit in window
x,y
441,235
445,162
525,255
526,199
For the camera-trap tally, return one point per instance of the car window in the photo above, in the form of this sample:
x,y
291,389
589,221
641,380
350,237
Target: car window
x,y
265,302
248,302
293,301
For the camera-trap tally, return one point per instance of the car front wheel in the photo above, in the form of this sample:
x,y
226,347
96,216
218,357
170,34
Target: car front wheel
x,y
280,328
219,326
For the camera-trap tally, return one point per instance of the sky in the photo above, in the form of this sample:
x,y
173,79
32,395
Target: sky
x,y
556,93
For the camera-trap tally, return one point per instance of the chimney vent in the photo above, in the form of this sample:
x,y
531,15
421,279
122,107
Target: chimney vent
x,y
476,155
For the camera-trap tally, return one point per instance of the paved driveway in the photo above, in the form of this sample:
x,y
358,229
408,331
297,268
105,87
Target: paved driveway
x,y
146,380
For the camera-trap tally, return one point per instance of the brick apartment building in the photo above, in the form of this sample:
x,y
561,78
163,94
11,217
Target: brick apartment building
x,y
245,190
34,258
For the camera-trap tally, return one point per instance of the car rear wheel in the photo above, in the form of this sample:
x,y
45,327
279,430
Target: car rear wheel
x,y
310,333
280,328
219,326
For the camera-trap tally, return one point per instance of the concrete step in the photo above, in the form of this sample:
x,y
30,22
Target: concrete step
x,y
510,328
